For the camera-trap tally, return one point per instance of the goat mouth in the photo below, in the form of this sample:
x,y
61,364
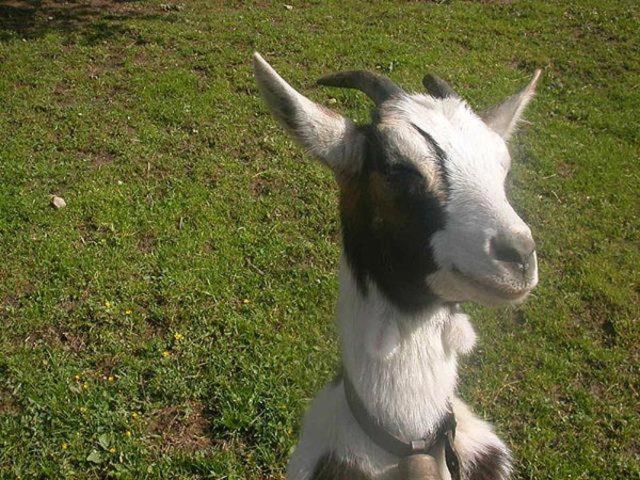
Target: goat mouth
x,y
493,288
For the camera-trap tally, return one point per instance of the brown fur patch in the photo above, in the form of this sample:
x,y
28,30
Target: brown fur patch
x,y
385,208
350,193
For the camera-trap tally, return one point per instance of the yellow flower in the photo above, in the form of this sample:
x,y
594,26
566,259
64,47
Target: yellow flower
x,y
110,378
166,353
112,450
127,312
77,377
127,434
64,446
134,414
83,409
108,304
85,385
178,336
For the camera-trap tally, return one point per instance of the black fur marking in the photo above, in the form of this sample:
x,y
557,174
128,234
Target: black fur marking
x,y
492,464
441,155
388,218
330,468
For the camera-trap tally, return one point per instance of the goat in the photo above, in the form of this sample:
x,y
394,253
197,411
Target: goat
x,y
426,225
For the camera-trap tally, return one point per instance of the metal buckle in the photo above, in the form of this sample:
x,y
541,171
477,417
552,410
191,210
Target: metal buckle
x,y
418,446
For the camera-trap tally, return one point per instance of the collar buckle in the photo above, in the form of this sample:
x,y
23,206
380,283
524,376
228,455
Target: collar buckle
x,y
419,446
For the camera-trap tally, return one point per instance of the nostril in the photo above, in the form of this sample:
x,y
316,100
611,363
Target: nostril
x,y
505,253
512,249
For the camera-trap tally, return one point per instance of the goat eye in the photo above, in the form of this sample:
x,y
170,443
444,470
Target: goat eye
x,y
404,171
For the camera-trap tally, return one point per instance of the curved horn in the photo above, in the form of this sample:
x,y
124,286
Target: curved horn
x,y
437,87
377,87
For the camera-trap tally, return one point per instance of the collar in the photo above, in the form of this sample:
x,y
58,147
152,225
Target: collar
x,y
445,433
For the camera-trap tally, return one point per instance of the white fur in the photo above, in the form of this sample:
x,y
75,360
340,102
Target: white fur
x,y
477,163
477,206
407,384
503,118
458,334
326,134
404,367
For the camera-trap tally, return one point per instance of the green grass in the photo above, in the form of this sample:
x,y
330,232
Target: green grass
x,y
174,319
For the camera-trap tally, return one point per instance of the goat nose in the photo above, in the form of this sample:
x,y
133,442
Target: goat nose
x,y
513,248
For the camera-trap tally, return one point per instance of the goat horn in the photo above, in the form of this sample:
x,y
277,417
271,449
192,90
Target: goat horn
x,y
437,87
377,87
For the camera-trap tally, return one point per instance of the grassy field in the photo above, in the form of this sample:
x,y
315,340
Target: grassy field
x,y
174,319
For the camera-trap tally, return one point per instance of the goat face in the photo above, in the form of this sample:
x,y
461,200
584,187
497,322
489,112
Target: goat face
x,y
423,207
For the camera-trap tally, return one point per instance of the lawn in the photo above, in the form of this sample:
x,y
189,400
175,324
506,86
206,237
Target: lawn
x,y
175,318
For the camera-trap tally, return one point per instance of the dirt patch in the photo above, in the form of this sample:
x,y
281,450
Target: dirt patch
x,y
63,95
565,170
8,404
182,428
261,186
91,232
602,313
609,332
99,159
527,66
10,302
147,242
52,336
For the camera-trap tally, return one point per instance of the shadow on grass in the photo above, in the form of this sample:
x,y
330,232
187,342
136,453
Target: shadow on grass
x,y
90,21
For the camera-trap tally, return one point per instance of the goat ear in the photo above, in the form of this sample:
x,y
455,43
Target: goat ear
x,y
334,139
503,117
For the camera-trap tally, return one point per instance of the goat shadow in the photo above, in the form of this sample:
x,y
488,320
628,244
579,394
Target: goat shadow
x,y
87,21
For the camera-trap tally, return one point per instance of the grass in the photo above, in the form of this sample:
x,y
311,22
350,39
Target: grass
x,y
174,319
